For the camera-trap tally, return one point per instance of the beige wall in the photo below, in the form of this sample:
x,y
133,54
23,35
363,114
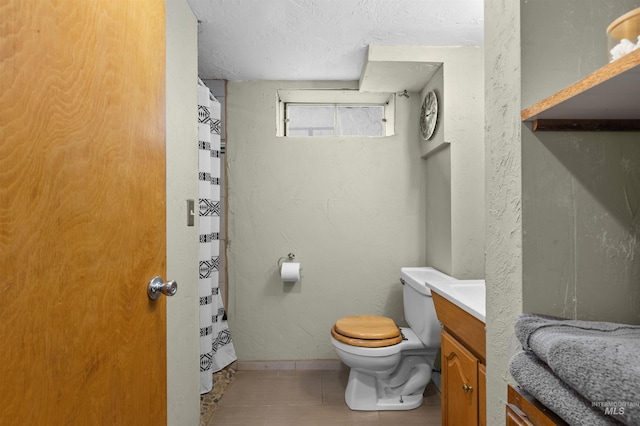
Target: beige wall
x,y
183,358
454,156
351,209
455,213
580,191
503,265
561,207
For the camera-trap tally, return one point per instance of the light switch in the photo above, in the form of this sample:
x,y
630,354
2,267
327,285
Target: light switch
x,y
191,214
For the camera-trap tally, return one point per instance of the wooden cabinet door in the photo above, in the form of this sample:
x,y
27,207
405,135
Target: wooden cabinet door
x,y
82,212
460,384
482,395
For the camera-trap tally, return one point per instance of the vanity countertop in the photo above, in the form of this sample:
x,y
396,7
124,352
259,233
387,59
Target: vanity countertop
x,y
468,295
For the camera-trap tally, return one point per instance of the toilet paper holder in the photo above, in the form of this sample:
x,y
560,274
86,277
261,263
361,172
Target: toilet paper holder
x,y
290,258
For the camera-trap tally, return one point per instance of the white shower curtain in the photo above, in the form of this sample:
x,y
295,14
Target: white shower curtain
x,y
216,348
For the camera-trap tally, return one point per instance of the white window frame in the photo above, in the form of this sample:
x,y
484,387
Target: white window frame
x,y
339,97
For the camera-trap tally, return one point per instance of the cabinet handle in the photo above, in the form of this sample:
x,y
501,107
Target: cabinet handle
x,y
467,388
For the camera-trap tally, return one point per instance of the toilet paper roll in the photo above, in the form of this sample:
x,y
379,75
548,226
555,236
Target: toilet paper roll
x,y
290,272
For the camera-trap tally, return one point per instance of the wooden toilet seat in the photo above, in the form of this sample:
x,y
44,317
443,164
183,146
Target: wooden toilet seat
x,y
367,331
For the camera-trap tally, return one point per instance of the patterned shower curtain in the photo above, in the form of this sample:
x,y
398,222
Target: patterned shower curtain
x,y
216,348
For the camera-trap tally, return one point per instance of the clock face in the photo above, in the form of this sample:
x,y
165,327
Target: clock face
x,y
429,115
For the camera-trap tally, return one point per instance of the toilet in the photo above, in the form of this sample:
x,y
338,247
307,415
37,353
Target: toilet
x,y
390,366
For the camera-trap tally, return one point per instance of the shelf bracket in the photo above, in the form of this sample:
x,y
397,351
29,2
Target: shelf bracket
x,y
582,125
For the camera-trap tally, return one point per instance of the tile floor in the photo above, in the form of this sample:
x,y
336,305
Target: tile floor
x,y
299,397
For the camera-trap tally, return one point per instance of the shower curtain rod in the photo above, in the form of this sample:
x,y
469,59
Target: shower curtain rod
x,y
201,83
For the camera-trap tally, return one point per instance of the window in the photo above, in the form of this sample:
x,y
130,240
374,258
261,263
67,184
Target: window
x,y
304,113
334,120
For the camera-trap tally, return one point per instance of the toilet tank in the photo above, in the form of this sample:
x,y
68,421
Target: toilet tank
x,y
419,311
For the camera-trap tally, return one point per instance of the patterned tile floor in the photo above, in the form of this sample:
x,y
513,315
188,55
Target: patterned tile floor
x,y
209,401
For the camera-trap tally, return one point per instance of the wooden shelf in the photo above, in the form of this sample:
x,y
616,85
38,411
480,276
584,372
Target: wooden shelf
x,y
606,100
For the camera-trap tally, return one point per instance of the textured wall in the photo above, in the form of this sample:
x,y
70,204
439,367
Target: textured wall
x,y
581,195
183,374
503,195
563,42
463,94
455,173
561,207
438,210
351,209
581,191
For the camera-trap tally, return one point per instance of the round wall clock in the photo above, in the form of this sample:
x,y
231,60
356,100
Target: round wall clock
x,y
429,115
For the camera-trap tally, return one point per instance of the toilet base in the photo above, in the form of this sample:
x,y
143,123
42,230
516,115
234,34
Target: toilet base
x,y
361,395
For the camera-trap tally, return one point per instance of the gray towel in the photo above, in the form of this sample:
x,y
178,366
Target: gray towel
x,y
600,360
536,377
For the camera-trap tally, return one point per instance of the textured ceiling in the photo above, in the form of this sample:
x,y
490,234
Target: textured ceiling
x,y
322,39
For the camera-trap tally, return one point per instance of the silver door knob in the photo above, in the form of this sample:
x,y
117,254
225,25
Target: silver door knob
x,y
157,286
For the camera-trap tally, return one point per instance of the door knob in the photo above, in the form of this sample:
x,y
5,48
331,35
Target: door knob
x,y
157,287
466,388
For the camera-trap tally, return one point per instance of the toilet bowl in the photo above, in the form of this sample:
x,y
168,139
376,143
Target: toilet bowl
x,y
390,366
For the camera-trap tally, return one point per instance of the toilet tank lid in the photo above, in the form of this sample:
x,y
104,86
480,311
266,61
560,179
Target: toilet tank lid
x,y
417,277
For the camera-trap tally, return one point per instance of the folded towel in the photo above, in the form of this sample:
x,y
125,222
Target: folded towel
x,y
537,378
600,360
527,324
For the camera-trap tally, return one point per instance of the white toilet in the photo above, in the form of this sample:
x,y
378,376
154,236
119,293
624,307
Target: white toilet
x,y
390,365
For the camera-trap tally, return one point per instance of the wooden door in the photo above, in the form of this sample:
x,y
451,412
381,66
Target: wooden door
x,y
82,212
460,384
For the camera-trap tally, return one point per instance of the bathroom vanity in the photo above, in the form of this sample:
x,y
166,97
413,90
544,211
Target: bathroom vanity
x,y
460,308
